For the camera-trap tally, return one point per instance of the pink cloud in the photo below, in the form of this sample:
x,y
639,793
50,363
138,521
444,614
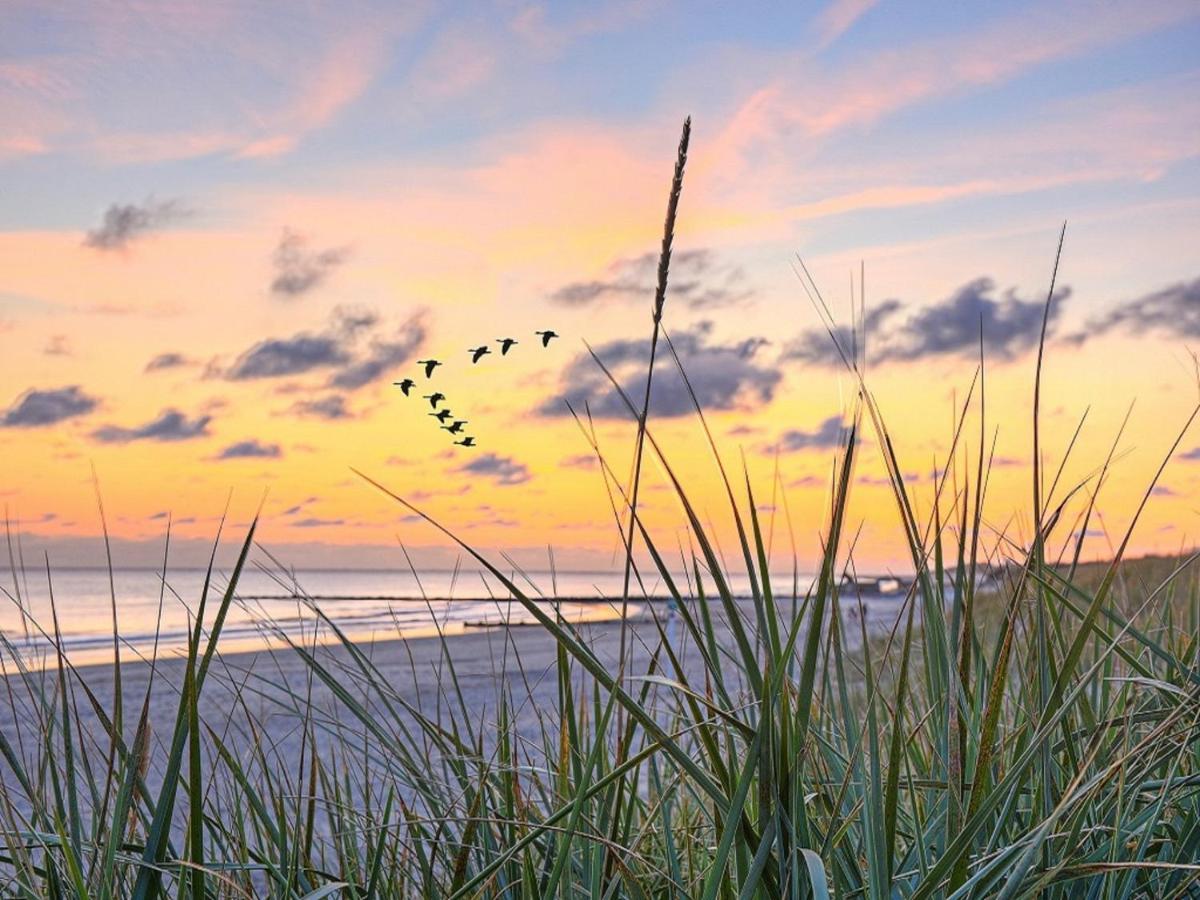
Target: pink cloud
x,y
838,17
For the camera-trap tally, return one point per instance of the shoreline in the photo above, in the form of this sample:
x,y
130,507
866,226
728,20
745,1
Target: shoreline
x,y
100,654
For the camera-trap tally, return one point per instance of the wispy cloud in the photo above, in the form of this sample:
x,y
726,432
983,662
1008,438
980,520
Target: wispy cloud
x,y
314,522
698,279
169,425
299,267
36,408
125,223
838,17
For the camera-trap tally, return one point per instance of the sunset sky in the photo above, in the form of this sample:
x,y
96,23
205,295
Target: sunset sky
x,y
227,228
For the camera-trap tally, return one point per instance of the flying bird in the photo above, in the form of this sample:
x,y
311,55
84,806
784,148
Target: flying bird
x,y
443,415
430,365
505,345
406,385
468,441
435,398
547,336
455,427
477,353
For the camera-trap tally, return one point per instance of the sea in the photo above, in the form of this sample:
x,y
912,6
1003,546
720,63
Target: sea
x,y
154,615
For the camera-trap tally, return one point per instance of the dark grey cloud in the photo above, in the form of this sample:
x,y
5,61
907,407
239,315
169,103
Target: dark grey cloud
x,y
698,279
1011,326
817,347
125,223
1173,310
299,267
35,409
169,425
383,356
278,357
330,407
167,361
724,376
825,436
251,449
502,469
1192,455
337,347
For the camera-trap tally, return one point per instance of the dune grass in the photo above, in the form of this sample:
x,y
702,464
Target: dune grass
x,y
1031,733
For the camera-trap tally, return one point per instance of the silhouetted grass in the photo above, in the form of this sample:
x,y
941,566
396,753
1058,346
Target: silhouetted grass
x,y
1041,741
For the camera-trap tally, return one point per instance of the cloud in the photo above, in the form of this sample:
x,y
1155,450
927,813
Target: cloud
x,y
817,347
579,461
837,18
277,357
251,449
170,425
697,279
826,436
125,223
1011,326
167,361
330,407
383,356
299,507
1173,310
299,268
35,409
1192,455
503,470
313,522
335,347
724,376
58,345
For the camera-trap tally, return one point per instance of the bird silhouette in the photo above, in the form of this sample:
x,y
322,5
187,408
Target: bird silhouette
x,y
443,415
546,337
435,398
430,365
455,427
505,345
406,385
468,441
477,353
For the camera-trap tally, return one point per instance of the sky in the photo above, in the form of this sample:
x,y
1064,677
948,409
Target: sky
x,y
227,228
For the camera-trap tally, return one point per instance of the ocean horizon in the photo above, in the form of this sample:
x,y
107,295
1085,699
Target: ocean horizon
x,y
273,607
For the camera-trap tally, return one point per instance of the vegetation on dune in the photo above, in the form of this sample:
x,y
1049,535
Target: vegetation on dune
x,y
1047,748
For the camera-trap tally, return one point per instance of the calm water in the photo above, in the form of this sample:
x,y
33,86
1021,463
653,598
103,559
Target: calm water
x,y
366,604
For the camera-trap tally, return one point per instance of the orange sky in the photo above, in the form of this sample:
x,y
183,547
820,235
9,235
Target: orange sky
x,y
425,200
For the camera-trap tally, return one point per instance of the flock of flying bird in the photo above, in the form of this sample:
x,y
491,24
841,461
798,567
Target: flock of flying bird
x,y
442,415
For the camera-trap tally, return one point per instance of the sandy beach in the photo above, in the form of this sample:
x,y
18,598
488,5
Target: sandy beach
x,y
260,685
